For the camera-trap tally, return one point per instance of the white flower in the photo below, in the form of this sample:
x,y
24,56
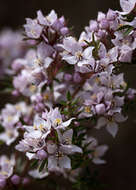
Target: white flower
x,y
74,54
40,128
96,152
58,153
9,135
111,123
127,5
6,166
56,119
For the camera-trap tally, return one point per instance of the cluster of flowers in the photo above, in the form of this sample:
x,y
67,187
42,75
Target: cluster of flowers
x,y
11,47
65,87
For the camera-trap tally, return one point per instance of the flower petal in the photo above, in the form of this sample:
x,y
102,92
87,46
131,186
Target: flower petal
x,y
112,128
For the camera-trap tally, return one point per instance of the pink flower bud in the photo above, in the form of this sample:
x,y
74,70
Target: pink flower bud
x,y
111,15
15,179
77,77
64,31
15,93
41,154
26,181
67,77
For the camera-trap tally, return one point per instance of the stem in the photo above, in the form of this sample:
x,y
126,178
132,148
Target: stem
x,y
25,168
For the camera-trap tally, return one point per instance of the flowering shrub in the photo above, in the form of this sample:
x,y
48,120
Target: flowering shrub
x,y
62,88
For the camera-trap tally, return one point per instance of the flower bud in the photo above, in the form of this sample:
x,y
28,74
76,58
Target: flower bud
x,y
67,77
62,20
15,93
93,25
101,16
76,123
15,179
41,154
77,78
64,31
111,15
26,181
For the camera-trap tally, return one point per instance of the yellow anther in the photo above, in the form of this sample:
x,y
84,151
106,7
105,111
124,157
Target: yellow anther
x,y
10,118
59,154
7,161
97,80
48,18
37,61
58,121
35,127
41,127
33,32
4,173
18,107
32,88
9,133
79,55
46,97
87,109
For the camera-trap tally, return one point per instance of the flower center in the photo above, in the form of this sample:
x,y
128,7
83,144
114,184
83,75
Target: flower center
x,y
87,109
32,88
10,118
79,55
58,121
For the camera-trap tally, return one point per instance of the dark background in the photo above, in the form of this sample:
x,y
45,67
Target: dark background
x,y
120,171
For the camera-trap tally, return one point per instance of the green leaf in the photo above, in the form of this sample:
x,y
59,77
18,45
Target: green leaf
x,y
127,29
34,164
63,103
42,165
69,97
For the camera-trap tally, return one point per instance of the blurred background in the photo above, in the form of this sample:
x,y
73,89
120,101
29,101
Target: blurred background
x,y
119,172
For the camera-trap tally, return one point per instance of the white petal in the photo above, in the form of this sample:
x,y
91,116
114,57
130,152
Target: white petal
x,y
70,59
127,5
52,162
112,128
100,150
47,62
98,161
102,121
34,134
70,149
39,175
88,52
67,123
119,117
65,162
30,155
